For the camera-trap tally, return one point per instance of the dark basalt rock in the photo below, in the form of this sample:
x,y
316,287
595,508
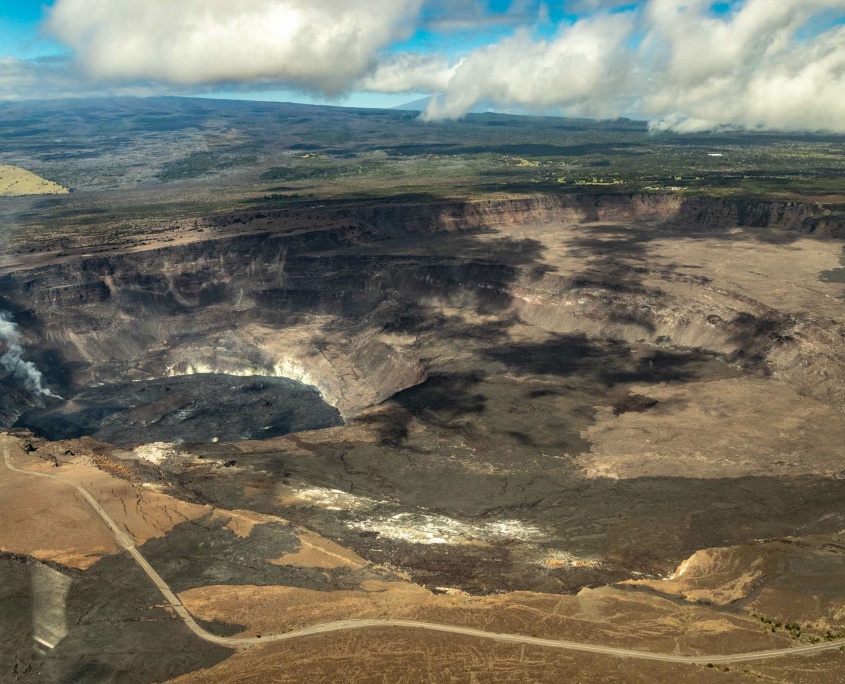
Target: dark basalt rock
x,y
193,408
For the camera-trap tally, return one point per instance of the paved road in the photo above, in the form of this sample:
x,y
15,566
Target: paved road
x,y
345,625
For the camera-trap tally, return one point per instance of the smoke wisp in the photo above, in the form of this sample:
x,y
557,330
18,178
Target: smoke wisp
x,y
12,359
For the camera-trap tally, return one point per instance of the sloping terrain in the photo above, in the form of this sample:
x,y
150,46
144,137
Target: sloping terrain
x,y
632,356
610,419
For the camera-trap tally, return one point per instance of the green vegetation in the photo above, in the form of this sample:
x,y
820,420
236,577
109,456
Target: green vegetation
x,y
794,630
310,168
248,155
200,164
332,151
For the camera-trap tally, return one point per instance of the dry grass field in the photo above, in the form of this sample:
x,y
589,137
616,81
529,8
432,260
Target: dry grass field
x,y
15,181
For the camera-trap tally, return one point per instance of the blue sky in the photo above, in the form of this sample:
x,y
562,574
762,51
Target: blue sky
x,y
19,33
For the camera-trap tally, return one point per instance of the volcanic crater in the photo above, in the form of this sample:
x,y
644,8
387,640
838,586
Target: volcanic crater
x,y
553,384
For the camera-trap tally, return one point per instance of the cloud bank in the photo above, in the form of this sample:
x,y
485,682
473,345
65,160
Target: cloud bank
x,y
318,45
686,65
583,67
673,62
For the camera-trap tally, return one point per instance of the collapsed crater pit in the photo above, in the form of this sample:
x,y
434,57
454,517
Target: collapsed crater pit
x,y
193,408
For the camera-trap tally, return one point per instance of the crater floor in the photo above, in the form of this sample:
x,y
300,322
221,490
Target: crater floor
x,y
592,418
191,408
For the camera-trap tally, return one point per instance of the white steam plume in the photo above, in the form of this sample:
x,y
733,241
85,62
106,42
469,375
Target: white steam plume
x,y
12,360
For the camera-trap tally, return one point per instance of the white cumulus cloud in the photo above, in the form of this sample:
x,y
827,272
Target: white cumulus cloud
x,y
675,62
776,64
752,68
318,45
581,67
409,72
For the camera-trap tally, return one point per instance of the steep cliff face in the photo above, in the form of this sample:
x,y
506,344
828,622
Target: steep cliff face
x,y
431,216
238,307
339,297
671,210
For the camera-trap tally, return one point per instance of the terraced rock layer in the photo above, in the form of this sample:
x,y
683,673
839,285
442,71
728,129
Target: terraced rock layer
x,y
336,297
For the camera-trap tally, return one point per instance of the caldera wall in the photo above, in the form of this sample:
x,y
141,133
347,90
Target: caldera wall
x,y
337,296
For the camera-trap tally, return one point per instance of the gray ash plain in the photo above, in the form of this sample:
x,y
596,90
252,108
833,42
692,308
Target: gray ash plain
x,y
119,631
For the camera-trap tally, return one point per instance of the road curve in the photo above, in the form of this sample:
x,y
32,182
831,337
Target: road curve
x,y
346,625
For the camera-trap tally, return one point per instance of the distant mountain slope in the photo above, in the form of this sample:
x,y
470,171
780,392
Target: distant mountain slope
x,y
422,104
415,106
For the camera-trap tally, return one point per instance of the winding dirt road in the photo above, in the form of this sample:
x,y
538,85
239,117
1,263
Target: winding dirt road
x,y
344,625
